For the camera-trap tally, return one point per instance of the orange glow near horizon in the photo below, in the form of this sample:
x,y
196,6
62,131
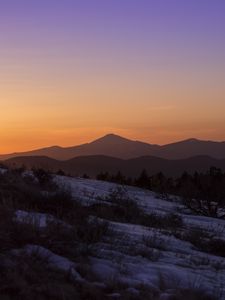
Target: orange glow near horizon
x,y
66,114
25,142
71,72
39,116
70,113
38,130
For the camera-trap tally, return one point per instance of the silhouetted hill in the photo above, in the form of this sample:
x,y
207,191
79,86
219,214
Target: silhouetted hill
x,y
35,162
93,165
192,147
119,147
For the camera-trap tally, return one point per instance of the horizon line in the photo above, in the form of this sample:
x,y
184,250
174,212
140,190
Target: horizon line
x,y
115,135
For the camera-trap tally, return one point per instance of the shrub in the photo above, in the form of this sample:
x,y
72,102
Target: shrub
x,y
216,246
31,277
44,177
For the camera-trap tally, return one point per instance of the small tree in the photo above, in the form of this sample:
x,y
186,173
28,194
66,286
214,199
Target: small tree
x,y
143,180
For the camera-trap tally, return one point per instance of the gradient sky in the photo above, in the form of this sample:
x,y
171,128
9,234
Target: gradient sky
x,y
73,70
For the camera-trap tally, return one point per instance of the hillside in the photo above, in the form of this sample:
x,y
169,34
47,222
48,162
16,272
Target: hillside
x,y
104,241
119,147
93,165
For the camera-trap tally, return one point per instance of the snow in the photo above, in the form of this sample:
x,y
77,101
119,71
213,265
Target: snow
x,y
53,260
34,218
126,257
85,190
3,171
179,264
30,174
37,219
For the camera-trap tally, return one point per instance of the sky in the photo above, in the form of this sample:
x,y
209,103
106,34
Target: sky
x,y
74,70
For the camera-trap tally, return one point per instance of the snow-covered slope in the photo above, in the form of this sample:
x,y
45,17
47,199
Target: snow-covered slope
x,y
126,242
160,258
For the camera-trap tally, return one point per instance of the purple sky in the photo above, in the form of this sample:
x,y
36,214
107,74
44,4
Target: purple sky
x,y
156,60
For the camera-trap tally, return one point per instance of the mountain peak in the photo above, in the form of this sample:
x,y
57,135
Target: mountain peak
x,y
117,146
111,137
191,140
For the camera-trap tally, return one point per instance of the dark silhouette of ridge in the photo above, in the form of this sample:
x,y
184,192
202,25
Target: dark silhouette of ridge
x,y
119,147
93,165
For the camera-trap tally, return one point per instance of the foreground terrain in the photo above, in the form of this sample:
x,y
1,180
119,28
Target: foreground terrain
x,y
72,238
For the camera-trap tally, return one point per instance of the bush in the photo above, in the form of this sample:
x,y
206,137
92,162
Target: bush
x,y
44,177
216,246
31,277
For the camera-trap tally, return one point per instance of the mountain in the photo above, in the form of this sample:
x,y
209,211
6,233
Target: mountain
x,y
110,145
119,147
192,147
93,165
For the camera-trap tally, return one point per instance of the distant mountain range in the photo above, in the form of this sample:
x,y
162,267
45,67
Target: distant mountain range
x,y
93,165
119,147
113,153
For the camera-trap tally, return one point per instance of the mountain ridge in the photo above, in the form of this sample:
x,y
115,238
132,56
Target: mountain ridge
x,y
94,164
120,147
